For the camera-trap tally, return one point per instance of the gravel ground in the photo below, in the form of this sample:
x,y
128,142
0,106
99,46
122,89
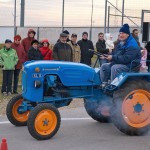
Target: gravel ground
x,y
4,100
3,104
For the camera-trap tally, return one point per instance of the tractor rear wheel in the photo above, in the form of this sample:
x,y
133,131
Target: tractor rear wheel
x,y
130,111
13,115
97,110
44,121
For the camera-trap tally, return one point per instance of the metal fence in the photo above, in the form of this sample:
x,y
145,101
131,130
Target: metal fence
x,y
52,33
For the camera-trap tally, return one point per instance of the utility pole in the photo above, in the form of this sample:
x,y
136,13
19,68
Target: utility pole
x,y
105,18
22,13
63,5
122,11
108,21
14,17
91,22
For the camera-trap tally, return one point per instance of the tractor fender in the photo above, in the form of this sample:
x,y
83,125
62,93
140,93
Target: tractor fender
x,y
123,77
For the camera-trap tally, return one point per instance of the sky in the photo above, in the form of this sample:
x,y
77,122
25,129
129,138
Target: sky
x,y
77,12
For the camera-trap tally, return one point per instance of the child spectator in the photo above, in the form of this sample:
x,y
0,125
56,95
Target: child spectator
x,y
109,42
21,56
45,50
34,53
8,60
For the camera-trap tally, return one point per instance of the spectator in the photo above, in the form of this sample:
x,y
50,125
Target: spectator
x,y
116,43
135,34
109,42
148,55
127,51
85,45
45,50
26,42
8,60
21,56
76,52
101,47
67,33
34,53
62,51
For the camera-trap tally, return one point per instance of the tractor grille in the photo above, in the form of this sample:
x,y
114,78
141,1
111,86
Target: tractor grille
x,y
24,82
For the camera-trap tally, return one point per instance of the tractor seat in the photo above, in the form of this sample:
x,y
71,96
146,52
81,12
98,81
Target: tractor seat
x,y
136,69
139,69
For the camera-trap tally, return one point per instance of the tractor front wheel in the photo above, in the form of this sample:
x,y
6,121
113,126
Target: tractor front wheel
x,y
13,114
44,121
130,111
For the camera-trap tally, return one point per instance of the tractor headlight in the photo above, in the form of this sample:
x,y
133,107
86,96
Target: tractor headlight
x,y
37,69
37,84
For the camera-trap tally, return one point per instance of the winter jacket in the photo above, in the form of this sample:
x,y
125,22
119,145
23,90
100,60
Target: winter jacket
x,y
8,58
46,53
34,54
26,43
101,47
76,52
126,53
62,52
20,53
86,55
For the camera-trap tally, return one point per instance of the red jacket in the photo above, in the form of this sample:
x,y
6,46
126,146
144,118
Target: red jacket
x,y
26,42
21,55
46,53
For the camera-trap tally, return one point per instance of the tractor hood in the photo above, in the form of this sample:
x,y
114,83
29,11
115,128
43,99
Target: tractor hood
x,y
70,74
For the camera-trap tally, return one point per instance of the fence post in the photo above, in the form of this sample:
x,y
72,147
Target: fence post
x,y
38,33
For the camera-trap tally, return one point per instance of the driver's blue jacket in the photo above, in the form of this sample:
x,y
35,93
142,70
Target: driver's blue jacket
x,y
126,53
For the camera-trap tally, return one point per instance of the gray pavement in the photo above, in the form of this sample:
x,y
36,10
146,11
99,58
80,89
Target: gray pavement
x,y
74,134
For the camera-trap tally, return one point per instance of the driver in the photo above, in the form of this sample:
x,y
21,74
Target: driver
x,y
120,61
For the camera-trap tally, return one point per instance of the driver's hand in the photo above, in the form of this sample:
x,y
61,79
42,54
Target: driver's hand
x,y
102,57
109,57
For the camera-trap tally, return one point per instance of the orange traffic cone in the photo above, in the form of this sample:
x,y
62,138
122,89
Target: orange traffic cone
x,y
4,145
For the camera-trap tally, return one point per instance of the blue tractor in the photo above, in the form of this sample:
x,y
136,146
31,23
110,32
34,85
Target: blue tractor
x,y
49,85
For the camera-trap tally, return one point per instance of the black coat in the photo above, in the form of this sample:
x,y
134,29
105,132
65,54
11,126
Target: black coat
x,y
86,55
34,54
62,52
101,47
148,50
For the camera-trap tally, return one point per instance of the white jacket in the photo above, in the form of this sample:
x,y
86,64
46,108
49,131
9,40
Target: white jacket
x,y
109,43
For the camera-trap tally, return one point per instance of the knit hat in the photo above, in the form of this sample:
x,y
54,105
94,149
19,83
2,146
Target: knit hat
x,y
8,41
125,29
45,41
34,41
66,31
17,37
84,33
